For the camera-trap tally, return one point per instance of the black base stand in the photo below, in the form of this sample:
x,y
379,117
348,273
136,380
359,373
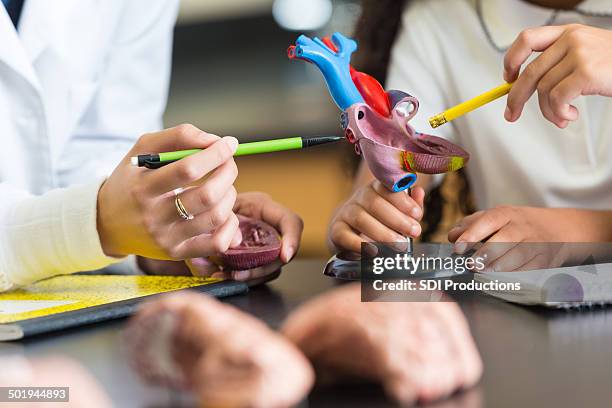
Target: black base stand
x,y
344,266
347,265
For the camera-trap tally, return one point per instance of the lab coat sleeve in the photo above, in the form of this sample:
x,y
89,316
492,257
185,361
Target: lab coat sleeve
x,y
51,234
131,92
417,66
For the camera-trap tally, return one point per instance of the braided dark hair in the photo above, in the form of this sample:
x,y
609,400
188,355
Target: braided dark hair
x,y
376,31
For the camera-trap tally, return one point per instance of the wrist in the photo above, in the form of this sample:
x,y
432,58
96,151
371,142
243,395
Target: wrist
x,y
109,239
587,225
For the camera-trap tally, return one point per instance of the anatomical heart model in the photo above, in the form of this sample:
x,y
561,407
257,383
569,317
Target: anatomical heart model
x,y
375,121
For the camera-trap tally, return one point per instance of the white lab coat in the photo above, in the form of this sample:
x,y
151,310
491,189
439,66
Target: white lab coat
x,y
79,83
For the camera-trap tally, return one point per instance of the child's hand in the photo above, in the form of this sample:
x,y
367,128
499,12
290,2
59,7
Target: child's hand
x,y
525,238
576,60
377,214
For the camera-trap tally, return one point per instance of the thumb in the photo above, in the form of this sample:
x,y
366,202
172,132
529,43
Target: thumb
x,y
201,267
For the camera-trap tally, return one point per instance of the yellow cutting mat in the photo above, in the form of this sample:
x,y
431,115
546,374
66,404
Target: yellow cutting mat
x,y
72,292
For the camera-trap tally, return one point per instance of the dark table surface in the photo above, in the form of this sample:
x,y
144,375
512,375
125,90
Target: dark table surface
x,y
532,356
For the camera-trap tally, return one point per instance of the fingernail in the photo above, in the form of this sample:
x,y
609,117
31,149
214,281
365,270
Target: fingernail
x,y
460,247
369,249
218,275
415,230
508,114
288,254
400,244
415,212
241,275
232,142
400,238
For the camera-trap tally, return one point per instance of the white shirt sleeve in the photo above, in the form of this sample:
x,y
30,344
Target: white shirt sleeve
x,y
131,93
42,236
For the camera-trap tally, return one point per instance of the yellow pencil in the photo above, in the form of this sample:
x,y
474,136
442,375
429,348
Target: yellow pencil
x,y
468,106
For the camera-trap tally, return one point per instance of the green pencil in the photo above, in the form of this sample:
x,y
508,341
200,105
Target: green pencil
x,y
154,161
